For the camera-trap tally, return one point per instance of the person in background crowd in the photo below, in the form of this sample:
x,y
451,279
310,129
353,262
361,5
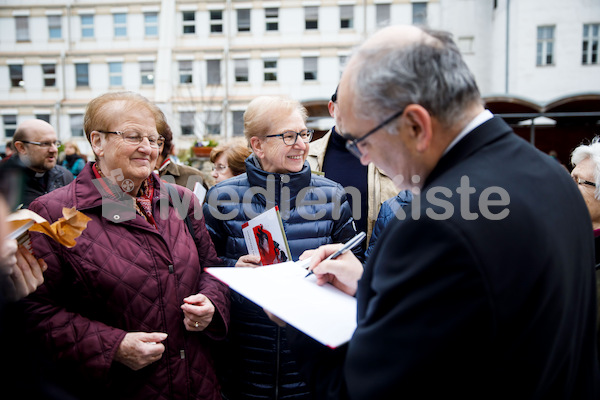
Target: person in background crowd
x,y
127,313
172,172
32,169
487,289
73,161
330,156
229,160
256,363
9,150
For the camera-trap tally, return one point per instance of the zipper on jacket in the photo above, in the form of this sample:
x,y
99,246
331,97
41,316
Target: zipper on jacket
x,y
277,364
171,269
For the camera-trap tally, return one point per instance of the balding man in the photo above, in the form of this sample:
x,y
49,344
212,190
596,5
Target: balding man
x,y
33,166
485,289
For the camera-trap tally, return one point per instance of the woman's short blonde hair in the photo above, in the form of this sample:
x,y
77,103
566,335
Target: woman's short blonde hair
x,y
236,152
265,111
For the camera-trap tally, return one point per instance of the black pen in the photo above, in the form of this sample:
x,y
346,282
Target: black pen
x,y
350,244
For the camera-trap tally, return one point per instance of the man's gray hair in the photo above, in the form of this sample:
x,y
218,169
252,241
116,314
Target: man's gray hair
x,y
431,73
591,151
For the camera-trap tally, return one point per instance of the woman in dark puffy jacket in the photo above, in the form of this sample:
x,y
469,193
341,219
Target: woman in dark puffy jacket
x,y
257,363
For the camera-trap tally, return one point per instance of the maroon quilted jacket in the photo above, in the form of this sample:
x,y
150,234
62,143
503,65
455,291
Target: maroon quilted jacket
x,y
124,276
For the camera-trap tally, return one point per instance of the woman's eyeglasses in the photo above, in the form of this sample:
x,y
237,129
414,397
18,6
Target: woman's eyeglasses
x,y
135,138
290,137
220,168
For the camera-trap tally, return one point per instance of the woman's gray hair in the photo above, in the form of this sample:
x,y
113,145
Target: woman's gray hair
x,y
431,73
591,151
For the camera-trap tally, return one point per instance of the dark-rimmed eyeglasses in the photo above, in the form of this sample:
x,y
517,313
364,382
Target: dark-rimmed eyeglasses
x,y
352,144
135,138
580,181
44,145
290,137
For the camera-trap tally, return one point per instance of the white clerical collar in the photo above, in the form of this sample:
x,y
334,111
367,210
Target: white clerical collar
x,y
475,122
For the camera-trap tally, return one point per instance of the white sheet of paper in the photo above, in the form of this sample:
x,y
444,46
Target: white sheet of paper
x,y
199,191
324,313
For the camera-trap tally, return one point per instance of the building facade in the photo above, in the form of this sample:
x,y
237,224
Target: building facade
x,y
202,62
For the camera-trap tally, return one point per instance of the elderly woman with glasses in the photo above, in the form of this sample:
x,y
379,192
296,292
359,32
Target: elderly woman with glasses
x,y
229,160
257,362
128,312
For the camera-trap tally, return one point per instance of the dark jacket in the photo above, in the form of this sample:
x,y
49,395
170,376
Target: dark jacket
x,y
25,186
258,363
125,275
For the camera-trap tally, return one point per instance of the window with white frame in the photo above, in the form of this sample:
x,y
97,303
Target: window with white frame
x,y
16,75
213,72
241,69
185,71
186,119
243,20
419,13
82,77
147,72
87,25
382,14
213,122
189,22
216,21
151,24
22,26
238,123
76,124
272,19
120,24
115,73
346,17
10,125
270,69
545,45
310,68
311,18
55,26
43,117
590,43
49,74
343,60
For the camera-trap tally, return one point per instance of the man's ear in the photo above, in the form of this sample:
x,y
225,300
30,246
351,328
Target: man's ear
x,y
331,108
20,147
420,126
96,142
257,146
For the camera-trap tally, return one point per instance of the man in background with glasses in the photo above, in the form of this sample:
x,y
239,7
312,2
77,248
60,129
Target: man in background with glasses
x,y
32,170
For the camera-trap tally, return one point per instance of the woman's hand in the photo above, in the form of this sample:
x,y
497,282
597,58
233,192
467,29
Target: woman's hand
x,y
198,312
248,261
140,349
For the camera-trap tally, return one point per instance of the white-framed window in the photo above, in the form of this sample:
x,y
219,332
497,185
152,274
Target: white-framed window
x,y
55,26
87,25
151,24
270,69
120,24
382,15
49,74
22,26
419,13
186,119
343,60
10,125
241,69
545,45
147,72
185,71
16,75
82,76
272,19
216,21
310,68
591,37
346,17
311,18
115,73
213,122
76,124
238,123
243,20
213,72
189,22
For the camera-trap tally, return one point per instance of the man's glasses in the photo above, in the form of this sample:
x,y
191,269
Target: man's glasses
x,y
135,138
352,144
44,145
580,181
290,137
220,168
